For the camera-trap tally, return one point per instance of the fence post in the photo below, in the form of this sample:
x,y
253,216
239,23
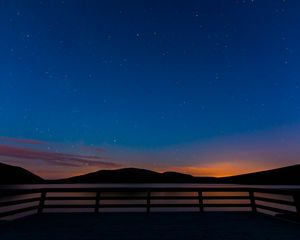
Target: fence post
x,y
252,201
97,203
42,202
148,201
296,197
200,198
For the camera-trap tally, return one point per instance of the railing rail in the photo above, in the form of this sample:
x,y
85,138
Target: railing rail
x,y
203,199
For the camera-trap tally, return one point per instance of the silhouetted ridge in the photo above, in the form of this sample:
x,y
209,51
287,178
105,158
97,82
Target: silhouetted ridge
x,y
284,175
131,175
17,175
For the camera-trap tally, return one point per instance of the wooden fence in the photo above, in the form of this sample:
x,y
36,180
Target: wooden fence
x,y
14,202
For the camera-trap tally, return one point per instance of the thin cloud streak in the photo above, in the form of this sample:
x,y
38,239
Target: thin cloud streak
x,y
55,158
20,140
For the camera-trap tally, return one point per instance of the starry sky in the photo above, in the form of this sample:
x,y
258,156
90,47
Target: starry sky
x,y
208,87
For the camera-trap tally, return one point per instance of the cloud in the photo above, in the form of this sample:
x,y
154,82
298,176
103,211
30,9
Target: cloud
x,y
26,142
55,158
20,140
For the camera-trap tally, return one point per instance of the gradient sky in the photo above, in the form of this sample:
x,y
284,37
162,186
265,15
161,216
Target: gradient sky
x,y
207,87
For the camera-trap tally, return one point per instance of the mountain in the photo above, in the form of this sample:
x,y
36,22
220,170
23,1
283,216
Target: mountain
x,y
16,175
284,175
132,175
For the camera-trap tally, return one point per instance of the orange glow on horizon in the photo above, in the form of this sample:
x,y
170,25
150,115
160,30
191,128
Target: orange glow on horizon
x,y
224,169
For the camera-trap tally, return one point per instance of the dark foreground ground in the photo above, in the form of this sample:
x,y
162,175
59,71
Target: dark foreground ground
x,y
152,226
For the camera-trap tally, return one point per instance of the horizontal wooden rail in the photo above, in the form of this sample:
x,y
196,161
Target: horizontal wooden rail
x,y
21,201
152,198
273,209
153,205
201,198
6,192
273,200
17,211
14,192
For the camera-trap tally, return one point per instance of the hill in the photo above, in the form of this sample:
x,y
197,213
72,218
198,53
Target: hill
x,y
132,175
16,175
285,175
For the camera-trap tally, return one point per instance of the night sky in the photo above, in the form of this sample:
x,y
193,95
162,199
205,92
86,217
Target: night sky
x,y
207,87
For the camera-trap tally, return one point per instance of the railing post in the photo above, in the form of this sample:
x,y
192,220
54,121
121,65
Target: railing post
x,y
97,203
252,201
296,197
148,201
42,202
200,199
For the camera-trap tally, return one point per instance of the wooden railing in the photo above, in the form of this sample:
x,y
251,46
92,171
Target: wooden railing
x,y
14,202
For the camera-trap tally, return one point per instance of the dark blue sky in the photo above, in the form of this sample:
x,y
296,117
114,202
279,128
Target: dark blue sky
x,y
148,74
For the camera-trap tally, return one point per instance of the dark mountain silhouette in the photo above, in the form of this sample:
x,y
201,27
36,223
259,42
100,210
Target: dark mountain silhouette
x,y
16,175
132,175
284,175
